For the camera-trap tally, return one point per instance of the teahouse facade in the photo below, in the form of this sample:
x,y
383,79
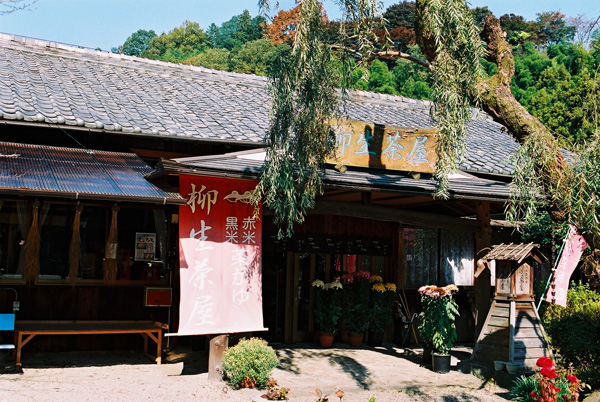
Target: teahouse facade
x,y
76,103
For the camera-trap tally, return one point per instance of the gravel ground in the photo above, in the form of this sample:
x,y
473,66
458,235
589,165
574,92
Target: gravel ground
x,y
387,374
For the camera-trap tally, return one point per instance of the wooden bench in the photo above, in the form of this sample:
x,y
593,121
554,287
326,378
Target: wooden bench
x,y
27,330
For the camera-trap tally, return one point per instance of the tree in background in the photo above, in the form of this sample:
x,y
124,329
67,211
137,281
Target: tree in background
x,y
137,43
381,79
584,29
282,28
551,28
178,44
217,59
10,6
236,31
254,57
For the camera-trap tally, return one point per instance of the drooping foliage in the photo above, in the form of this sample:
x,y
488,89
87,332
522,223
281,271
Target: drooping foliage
x,y
449,27
300,135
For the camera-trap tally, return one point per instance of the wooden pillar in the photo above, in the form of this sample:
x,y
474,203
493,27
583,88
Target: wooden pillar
x,y
216,352
483,240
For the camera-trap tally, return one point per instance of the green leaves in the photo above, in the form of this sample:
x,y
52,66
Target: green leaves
x,y
456,71
300,136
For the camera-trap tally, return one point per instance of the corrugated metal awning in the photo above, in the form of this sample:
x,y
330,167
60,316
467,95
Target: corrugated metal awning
x,y
78,173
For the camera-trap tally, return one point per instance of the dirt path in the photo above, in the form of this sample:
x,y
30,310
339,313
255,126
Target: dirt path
x,y
387,374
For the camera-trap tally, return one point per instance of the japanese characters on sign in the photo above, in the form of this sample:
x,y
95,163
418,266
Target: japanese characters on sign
x,y
220,237
523,280
387,147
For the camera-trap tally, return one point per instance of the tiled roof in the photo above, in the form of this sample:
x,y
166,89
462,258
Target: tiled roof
x,y
50,83
514,252
78,173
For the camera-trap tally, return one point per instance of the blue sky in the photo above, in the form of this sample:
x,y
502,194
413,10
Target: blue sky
x,y
107,23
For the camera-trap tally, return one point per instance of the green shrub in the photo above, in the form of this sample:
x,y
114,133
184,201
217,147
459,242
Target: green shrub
x,y
249,363
574,332
522,389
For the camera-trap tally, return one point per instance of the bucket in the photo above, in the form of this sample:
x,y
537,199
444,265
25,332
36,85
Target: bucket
x,y
440,363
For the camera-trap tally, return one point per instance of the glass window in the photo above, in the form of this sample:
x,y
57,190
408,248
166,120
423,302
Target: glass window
x,y
457,257
93,229
13,232
421,249
438,257
56,230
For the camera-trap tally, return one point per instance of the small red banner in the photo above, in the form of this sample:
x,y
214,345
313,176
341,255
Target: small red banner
x,y
220,236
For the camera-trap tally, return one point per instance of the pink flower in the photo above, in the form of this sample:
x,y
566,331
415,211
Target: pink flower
x,y
544,362
548,372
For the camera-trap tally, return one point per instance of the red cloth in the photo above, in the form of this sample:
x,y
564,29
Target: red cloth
x,y
220,266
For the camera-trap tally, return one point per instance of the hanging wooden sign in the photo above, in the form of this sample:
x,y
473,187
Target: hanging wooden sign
x,y
385,147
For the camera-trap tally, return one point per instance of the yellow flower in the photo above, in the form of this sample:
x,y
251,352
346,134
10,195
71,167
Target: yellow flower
x,y
318,283
391,287
378,287
376,278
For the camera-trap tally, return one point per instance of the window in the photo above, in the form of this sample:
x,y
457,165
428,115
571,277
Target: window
x,y
13,232
438,257
56,230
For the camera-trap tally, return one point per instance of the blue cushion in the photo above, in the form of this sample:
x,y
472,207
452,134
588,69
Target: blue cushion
x,y
7,322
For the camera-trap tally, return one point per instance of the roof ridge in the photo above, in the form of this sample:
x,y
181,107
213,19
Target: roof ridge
x,y
82,50
76,50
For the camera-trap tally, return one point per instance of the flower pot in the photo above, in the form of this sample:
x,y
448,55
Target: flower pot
x,y
326,339
427,354
375,338
513,368
440,363
355,338
499,365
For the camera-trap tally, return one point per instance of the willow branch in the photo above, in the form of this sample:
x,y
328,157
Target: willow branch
x,y
396,54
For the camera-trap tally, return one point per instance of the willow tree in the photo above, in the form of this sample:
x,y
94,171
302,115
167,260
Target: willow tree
x,y
308,93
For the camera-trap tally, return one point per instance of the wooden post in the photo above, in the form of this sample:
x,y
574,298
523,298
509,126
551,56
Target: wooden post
x,y
483,240
218,346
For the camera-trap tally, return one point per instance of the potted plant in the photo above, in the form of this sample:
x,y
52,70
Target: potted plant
x,y
355,305
381,298
328,309
436,323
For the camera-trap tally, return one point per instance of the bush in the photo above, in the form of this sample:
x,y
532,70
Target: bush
x,y
574,332
522,389
546,385
249,363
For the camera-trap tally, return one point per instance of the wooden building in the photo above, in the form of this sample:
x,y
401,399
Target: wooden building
x,y
75,106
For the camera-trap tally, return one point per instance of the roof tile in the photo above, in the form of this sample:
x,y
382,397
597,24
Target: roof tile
x,y
44,81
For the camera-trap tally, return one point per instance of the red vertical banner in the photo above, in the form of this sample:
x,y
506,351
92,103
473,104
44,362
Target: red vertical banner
x,y
574,246
220,247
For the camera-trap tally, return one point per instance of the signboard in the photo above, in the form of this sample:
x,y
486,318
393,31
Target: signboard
x,y
523,280
503,278
157,297
220,236
385,147
145,246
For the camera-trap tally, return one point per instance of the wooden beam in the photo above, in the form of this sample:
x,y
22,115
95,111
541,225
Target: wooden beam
x,y
422,219
216,353
483,240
